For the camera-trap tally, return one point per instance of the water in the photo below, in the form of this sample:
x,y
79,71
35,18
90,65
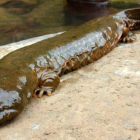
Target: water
x,y
23,19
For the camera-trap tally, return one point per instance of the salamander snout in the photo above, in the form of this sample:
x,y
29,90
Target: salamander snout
x,y
9,105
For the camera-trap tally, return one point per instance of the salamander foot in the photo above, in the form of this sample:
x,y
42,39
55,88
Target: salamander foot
x,y
129,38
48,82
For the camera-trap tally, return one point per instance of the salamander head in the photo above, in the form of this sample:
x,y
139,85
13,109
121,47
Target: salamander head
x,y
15,93
17,83
16,88
10,105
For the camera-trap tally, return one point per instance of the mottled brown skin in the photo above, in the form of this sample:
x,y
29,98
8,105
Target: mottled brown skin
x,y
36,69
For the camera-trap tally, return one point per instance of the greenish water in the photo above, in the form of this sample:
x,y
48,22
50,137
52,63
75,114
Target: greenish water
x,y
22,19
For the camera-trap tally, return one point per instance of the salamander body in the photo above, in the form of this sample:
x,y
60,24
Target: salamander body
x,y
35,70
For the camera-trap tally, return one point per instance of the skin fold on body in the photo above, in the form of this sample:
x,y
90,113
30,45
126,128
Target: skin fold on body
x,y
35,70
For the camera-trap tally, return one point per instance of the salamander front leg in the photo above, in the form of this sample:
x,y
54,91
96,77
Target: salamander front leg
x,y
47,83
128,36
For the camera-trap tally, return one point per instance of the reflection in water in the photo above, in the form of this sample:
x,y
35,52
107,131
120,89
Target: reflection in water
x,y
86,11
96,2
124,4
22,19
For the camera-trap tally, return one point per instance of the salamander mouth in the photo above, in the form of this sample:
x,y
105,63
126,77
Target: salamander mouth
x,y
10,105
7,111
6,115
4,108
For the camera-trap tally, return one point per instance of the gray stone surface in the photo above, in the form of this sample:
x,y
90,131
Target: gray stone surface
x,y
5,49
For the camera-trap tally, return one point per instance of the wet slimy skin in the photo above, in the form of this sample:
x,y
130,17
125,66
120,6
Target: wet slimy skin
x,y
35,70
